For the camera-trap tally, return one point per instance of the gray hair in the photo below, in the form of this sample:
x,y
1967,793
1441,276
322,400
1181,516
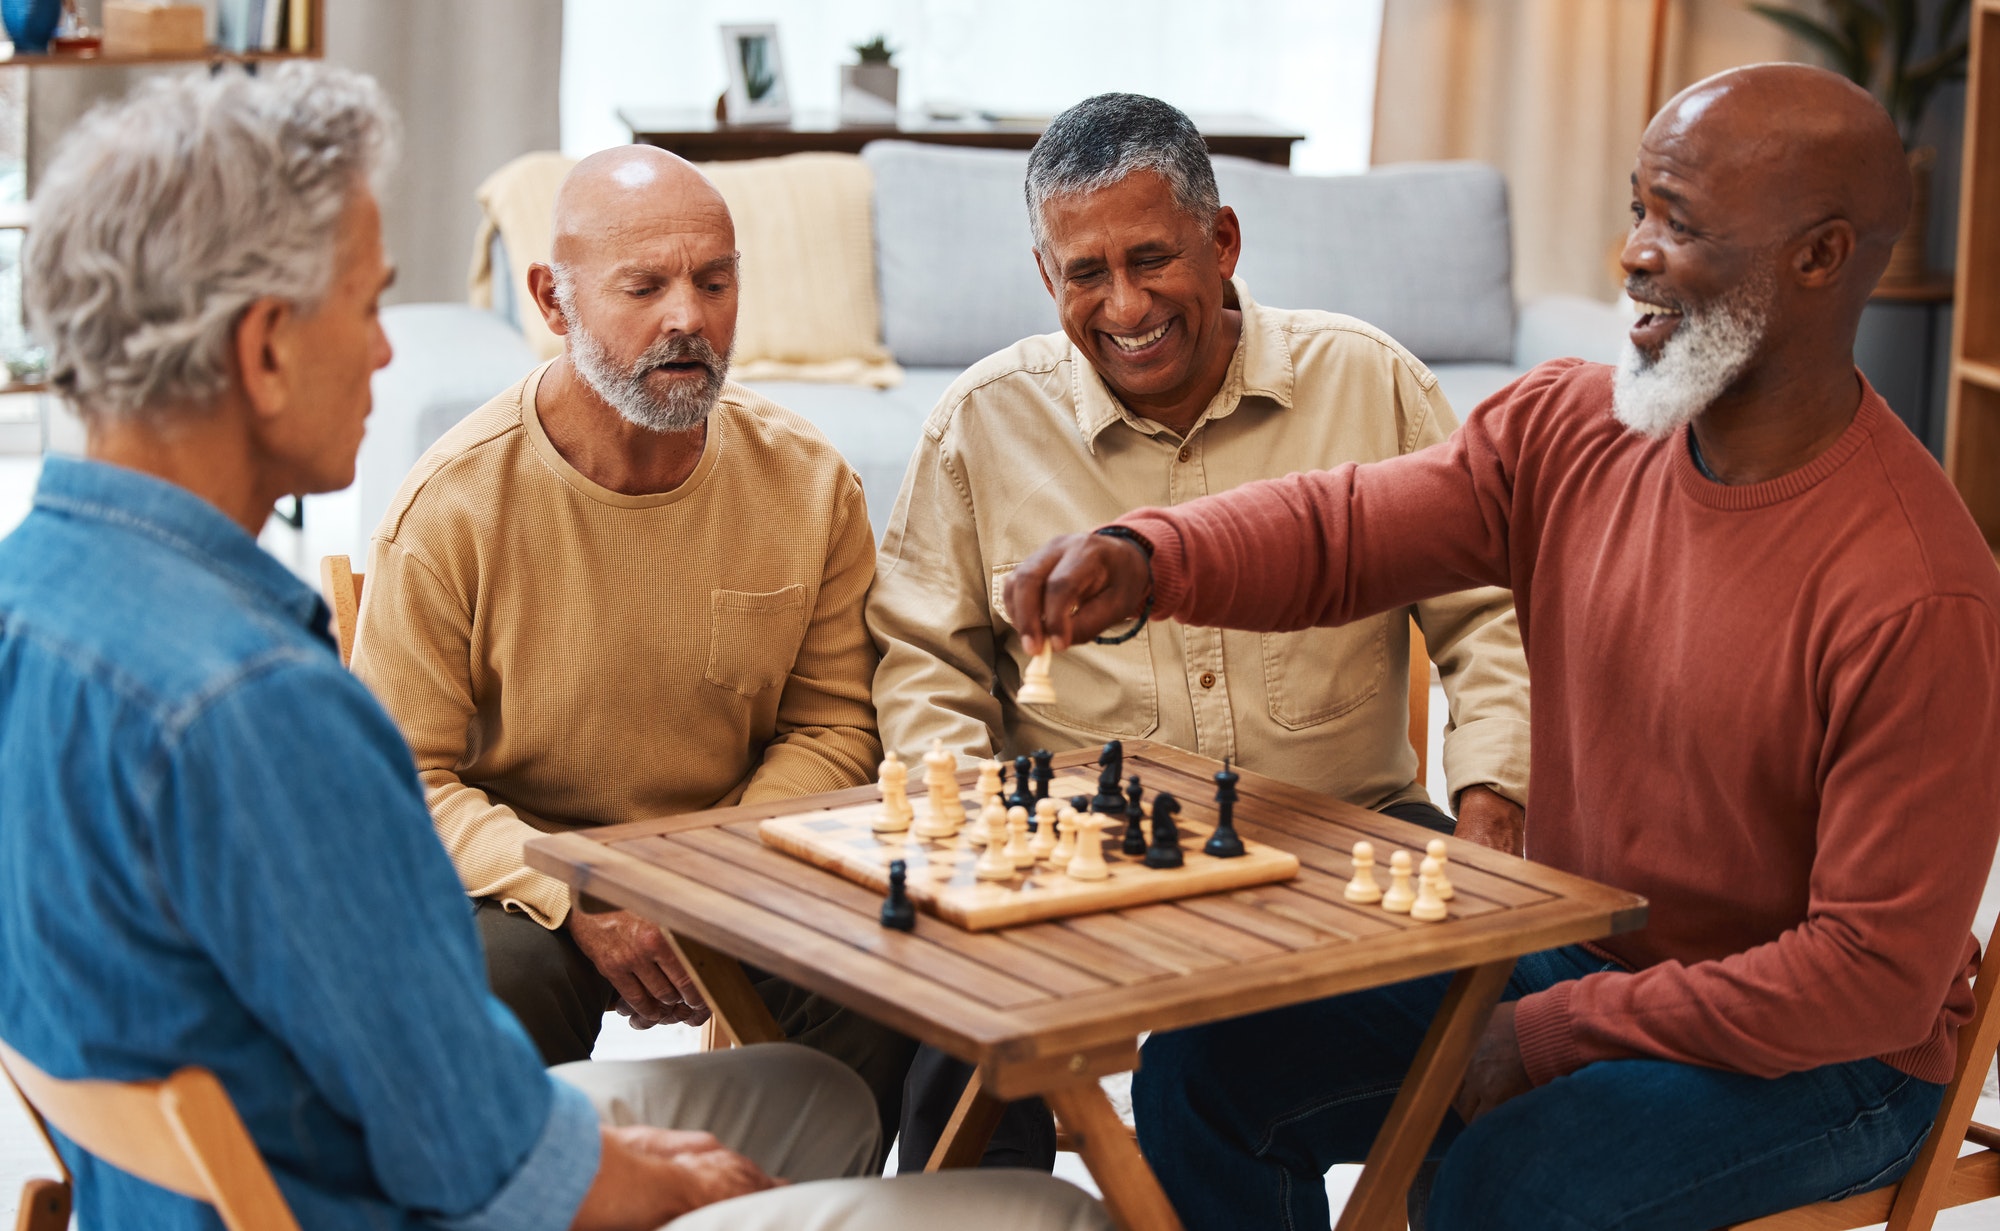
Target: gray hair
x,y
165,215
1101,140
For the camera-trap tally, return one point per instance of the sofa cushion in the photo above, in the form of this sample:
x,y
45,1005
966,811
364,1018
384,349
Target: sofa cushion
x,y
953,255
1421,251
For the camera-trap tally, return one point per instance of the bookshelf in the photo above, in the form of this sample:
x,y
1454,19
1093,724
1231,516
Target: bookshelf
x,y
1972,418
315,46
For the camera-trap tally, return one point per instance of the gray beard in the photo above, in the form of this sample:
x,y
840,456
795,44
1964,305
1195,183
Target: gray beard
x,y
1700,360
682,408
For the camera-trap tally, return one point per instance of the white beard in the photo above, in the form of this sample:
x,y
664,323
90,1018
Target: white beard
x,y
625,389
1701,359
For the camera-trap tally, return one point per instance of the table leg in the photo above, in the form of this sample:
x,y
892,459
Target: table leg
x,y
970,1128
1379,1197
727,990
1131,1192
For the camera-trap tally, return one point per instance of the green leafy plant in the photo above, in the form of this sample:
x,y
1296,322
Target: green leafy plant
x,y
1874,43
874,51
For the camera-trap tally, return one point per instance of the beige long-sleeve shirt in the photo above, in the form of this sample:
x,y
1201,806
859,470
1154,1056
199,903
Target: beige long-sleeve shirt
x,y
561,655
1030,443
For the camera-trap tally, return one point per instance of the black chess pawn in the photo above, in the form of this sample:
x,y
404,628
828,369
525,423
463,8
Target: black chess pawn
x,y
1223,843
1107,800
1044,773
897,912
1023,795
1165,851
1135,818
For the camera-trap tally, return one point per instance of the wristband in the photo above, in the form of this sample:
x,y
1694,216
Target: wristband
x,y
1131,536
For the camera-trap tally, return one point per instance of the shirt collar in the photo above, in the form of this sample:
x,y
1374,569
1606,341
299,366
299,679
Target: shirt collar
x,y
182,521
1260,367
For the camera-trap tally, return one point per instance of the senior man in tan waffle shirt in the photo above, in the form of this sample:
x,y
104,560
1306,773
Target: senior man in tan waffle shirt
x,y
1169,382
626,588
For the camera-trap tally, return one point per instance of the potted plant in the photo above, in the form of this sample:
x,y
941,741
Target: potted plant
x,y
1875,44
868,89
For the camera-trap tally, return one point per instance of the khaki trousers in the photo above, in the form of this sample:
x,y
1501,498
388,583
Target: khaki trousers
x,y
808,1119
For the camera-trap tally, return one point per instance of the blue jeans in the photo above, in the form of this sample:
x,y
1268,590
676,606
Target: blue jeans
x,y
1242,1119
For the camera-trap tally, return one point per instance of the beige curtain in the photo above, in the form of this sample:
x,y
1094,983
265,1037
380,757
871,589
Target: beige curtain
x,y
1553,92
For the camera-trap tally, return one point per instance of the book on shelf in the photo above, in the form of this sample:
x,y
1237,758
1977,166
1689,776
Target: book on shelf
x,y
244,26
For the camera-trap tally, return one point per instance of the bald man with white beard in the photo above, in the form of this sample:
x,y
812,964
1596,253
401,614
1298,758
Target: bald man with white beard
x,y
626,588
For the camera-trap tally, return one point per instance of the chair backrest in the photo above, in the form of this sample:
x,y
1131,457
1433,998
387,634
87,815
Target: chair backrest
x,y
1420,702
342,587
182,1134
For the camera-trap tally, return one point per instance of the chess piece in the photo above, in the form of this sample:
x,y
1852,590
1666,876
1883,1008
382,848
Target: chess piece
x,y
1044,842
1135,819
1066,819
990,782
1044,773
1108,800
1036,686
1088,862
1017,838
1364,887
1429,907
1165,849
995,864
896,812
1223,843
945,812
1023,795
1400,895
897,912
1436,850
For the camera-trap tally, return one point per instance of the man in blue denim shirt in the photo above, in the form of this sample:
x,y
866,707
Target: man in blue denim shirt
x,y
214,846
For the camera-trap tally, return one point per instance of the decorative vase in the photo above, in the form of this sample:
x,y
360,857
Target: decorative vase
x,y
868,93
1909,261
31,23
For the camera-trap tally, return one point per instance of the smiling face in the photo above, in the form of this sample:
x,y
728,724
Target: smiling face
x,y
1139,285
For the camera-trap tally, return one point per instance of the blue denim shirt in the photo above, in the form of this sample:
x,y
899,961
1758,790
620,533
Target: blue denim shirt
x,y
214,851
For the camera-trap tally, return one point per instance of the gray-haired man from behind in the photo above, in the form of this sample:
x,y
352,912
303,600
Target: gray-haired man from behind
x,y
214,849
1169,382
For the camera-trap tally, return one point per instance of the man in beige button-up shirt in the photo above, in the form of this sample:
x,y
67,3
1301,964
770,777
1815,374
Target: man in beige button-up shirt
x,y
1169,382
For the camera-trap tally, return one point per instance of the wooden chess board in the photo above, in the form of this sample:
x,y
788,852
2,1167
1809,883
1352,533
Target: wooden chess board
x,y
940,877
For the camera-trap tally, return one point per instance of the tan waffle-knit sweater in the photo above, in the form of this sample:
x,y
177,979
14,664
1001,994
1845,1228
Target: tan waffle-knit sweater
x,y
560,655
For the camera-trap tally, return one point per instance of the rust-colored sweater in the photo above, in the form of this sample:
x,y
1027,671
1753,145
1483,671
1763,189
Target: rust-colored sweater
x,y
1774,710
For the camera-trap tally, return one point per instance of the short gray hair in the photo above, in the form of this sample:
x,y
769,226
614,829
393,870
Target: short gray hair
x,y
163,216
1101,140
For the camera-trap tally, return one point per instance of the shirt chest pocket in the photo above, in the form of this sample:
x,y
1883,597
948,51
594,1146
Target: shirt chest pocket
x,y
754,638
1317,674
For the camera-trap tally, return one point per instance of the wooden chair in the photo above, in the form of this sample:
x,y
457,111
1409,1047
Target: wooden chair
x,y
182,1134
1941,1178
342,587
1420,701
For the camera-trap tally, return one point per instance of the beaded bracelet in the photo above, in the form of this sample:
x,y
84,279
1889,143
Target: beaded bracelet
x,y
1145,612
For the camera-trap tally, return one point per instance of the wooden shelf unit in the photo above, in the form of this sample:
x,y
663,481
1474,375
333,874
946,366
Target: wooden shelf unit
x,y
1972,424
316,46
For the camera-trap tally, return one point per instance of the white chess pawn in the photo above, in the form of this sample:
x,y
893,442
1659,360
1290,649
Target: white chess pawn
x,y
989,781
1017,838
996,864
1364,887
1065,851
1436,850
1036,686
896,811
1429,907
1088,862
1400,895
945,813
1044,841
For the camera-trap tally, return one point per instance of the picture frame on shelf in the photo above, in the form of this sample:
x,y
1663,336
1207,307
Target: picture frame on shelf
x,y
758,92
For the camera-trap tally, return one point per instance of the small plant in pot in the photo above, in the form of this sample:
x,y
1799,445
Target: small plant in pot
x,y
868,89
1876,44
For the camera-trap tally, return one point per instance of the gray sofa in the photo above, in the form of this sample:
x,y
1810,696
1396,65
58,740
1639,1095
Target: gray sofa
x,y
1422,251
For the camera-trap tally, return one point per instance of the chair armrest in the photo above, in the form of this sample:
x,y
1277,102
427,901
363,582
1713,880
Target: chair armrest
x,y
1562,326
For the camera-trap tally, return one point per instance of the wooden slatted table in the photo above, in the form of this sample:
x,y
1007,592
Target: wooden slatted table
x,y
1049,1008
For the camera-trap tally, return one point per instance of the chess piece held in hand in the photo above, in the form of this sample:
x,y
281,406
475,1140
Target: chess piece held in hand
x,y
897,912
1036,686
1364,888
1223,843
1165,849
896,812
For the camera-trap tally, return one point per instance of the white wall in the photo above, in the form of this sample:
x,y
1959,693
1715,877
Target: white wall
x,y
1306,63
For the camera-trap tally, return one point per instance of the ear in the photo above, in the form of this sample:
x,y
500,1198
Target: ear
x,y
1823,252
1228,241
542,286
266,354
1042,269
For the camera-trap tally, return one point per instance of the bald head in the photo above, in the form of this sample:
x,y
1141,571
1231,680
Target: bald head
x,y
1802,145
612,194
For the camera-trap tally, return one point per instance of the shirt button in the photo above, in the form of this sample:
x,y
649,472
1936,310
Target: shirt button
x,y
1208,679
1186,452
